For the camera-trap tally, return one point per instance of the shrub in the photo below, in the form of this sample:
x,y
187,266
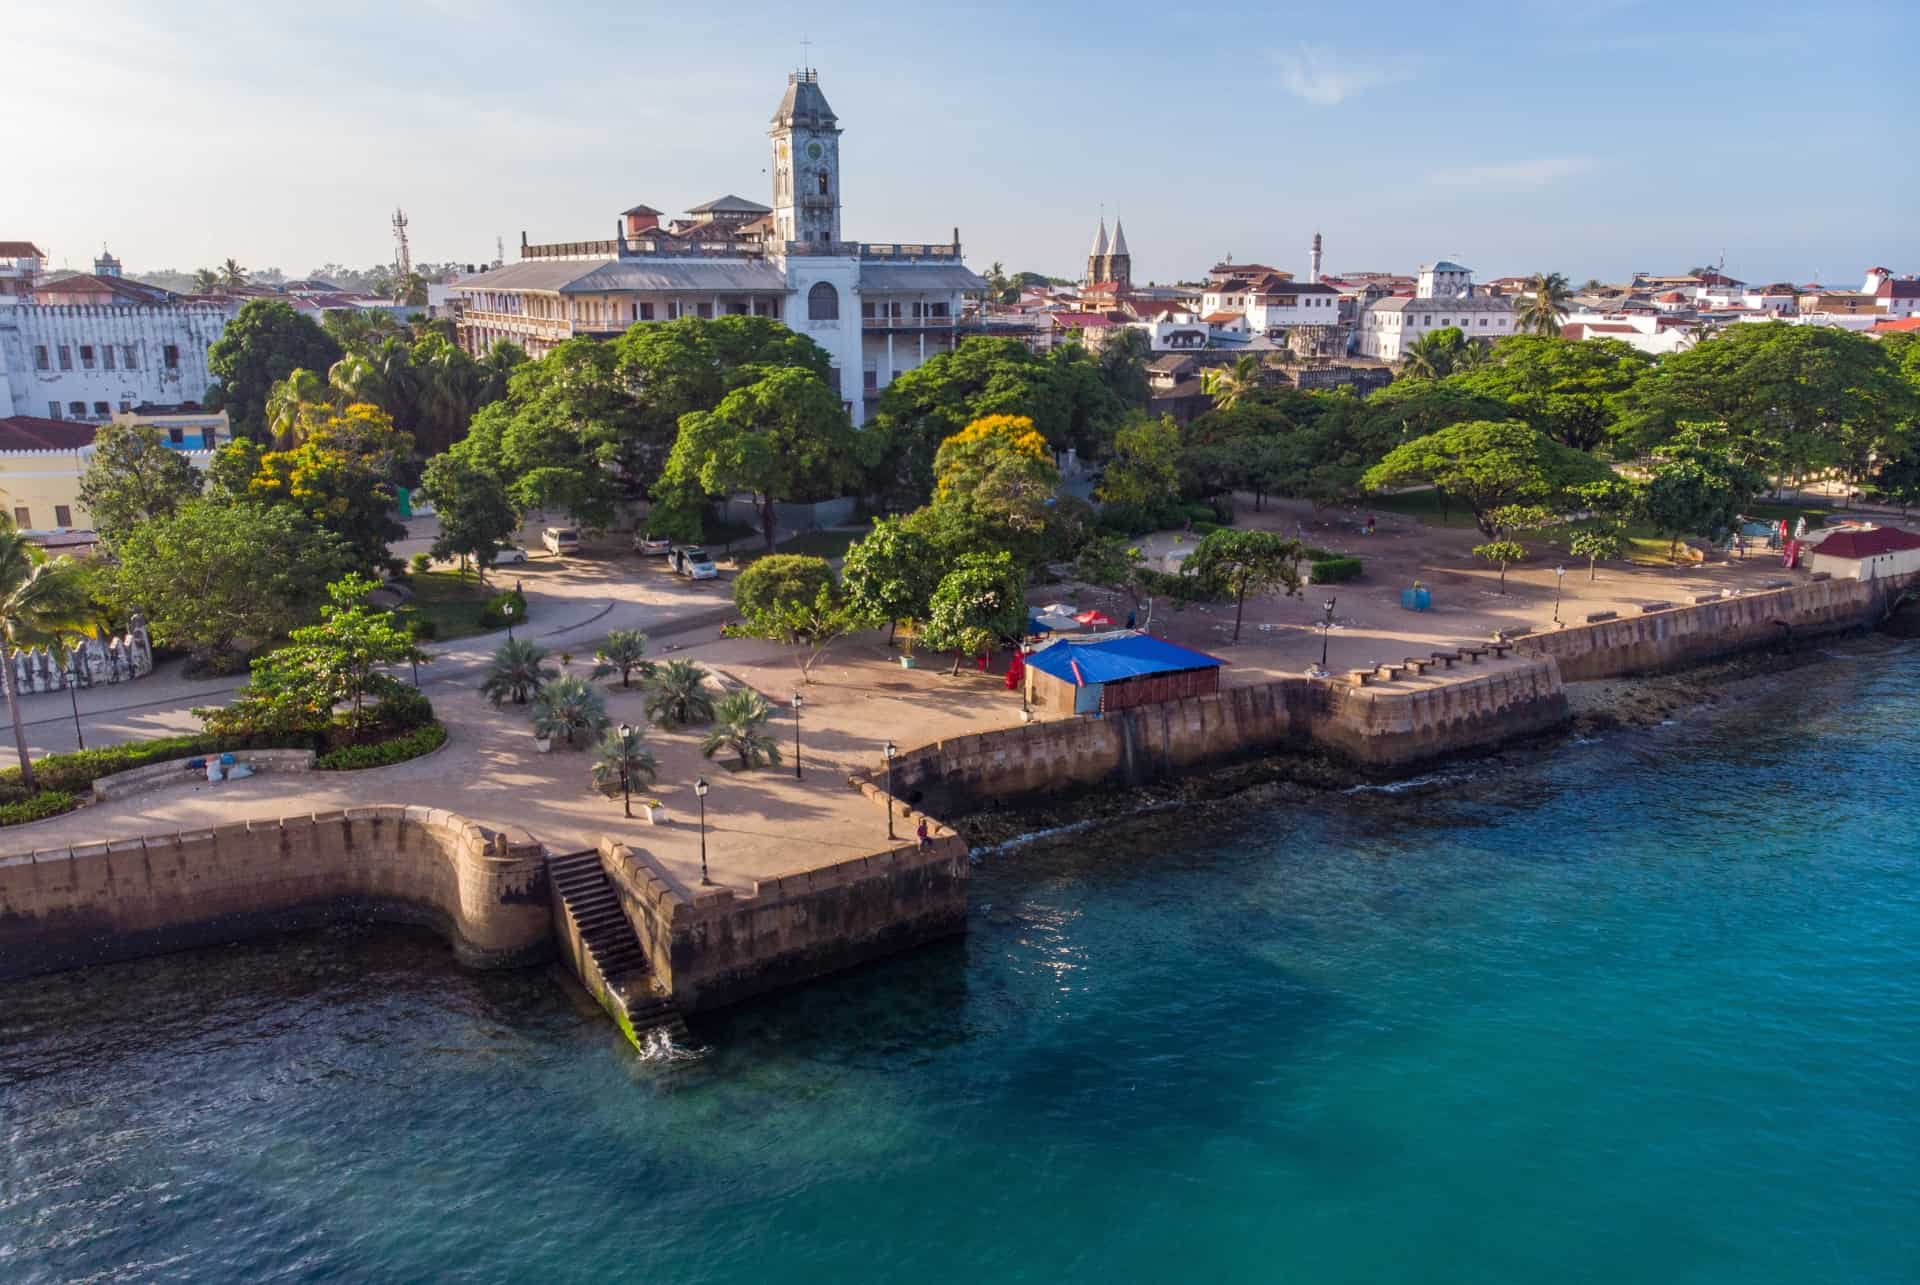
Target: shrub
x,y
1198,513
74,772
1206,526
422,628
1126,519
493,613
1163,584
350,758
47,803
403,708
420,563
1334,569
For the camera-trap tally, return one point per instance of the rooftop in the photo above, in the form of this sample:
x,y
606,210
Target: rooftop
x,y
1113,657
34,433
1867,544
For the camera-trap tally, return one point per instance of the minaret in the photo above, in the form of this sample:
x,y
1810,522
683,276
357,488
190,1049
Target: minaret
x,y
1313,262
1119,262
106,265
806,163
1097,256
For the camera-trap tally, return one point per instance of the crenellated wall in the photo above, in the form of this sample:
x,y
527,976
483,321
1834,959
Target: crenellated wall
x,y
91,661
485,889
710,946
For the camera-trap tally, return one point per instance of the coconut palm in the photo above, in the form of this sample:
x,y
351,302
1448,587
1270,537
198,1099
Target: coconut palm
x,y
232,275
677,694
570,709
39,600
517,672
300,388
1545,306
1228,386
1435,355
619,762
740,725
206,281
624,652
411,290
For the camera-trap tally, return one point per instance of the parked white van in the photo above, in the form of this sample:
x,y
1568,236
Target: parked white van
x,y
561,539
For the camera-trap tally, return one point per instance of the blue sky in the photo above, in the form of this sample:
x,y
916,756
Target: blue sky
x,y
1593,137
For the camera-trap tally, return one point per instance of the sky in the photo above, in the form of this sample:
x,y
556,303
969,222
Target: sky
x,y
1591,137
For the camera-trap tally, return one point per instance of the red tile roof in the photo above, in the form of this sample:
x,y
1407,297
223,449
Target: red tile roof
x,y
1905,325
1084,320
1867,544
1899,288
20,250
1221,318
35,433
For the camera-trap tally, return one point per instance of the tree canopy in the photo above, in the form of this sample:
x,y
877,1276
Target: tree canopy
x,y
1489,464
262,345
132,476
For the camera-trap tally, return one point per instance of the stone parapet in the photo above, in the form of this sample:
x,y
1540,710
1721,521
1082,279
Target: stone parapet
x,y
485,889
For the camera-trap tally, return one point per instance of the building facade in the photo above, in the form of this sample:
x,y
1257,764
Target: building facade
x,y
1445,296
87,362
878,309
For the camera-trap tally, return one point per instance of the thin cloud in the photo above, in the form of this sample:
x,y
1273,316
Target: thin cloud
x,y
1318,75
1513,175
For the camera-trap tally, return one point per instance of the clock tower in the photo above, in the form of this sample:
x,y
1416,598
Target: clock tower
x,y
806,163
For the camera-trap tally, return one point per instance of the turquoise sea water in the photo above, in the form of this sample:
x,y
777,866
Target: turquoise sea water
x,y
1645,1010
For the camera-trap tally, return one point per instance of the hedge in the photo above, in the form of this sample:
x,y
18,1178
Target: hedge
x,y
1180,588
1336,569
74,772
47,803
351,758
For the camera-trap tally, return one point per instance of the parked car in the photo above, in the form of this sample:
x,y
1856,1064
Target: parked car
x,y
692,562
561,539
508,555
651,546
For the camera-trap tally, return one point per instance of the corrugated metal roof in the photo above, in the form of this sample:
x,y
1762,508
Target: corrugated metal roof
x,y
532,274
919,276
1108,658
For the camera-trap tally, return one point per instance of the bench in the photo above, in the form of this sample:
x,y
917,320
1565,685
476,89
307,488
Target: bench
x,y
1473,654
1595,617
1706,597
1359,677
1446,658
1391,673
1646,607
1416,666
1500,649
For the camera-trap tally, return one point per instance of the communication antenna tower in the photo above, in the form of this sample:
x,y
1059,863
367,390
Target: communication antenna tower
x,y
402,256
499,250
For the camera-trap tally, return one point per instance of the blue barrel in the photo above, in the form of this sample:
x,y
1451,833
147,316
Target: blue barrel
x,y
1416,599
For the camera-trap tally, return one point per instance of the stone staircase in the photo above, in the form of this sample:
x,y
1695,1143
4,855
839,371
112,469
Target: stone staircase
x,y
614,968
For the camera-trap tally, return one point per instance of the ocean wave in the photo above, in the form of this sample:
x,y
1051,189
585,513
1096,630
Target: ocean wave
x,y
657,1045
1411,783
1071,827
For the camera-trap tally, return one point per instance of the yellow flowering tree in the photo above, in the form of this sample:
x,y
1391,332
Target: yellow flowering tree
x,y
341,475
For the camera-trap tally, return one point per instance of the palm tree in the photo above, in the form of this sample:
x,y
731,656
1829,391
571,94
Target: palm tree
x,y
39,599
624,651
1545,306
206,281
619,762
677,694
517,672
232,275
1227,387
1435,355
301,387
411,290
740,725
570,709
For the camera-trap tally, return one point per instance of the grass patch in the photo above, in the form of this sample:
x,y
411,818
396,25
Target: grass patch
x,y
450,605
813,544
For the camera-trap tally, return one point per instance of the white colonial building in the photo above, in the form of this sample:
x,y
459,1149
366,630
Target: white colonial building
x,y
878,309
88,362
1444,297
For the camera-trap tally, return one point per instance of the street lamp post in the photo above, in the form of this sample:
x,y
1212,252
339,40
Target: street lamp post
x,y
796,736
73,695
1326,632
626,757
1559,583
892,750
700,792
506,609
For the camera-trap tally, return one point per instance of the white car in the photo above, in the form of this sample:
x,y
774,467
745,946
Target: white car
x,y
692,562
508,555
651,546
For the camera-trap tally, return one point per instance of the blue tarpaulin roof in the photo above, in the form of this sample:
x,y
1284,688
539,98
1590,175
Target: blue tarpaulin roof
x,y
1111,657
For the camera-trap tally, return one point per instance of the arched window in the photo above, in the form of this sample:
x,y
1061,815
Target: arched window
x,y
823,182
823,302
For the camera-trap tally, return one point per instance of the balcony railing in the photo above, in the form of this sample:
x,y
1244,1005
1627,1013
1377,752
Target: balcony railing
x,y
909,250
907,323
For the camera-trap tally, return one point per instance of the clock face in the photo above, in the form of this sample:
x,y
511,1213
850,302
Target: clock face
x,y
814,151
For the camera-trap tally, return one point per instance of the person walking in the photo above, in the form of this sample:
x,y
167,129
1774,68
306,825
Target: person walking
x,y
923,834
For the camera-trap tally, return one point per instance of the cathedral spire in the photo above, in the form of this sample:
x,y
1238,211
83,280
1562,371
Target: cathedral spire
x,y
1099,239
1119,245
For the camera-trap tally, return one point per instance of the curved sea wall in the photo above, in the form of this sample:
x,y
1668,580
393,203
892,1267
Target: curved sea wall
x,y
1376,727
485,889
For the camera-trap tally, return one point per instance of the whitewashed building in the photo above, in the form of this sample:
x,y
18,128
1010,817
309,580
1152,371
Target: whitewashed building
x,y
87,362
1445,296
878,309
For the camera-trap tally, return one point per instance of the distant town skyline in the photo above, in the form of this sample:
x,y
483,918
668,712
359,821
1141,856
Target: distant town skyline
x,y
1595,140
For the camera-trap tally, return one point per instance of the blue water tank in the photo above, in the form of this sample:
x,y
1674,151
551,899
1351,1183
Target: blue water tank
x,y
1416,599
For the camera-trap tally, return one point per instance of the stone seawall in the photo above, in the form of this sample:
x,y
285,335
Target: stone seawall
x,y
484,889
1375,727
711,946
1676,637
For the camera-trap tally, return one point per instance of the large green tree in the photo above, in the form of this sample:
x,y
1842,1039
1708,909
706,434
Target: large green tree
x,y
890,572
212,577
131,477
783,437
1489,464
1144,472
262,345
977,605
997,489
342,475
1697,489
1571,390
476,515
